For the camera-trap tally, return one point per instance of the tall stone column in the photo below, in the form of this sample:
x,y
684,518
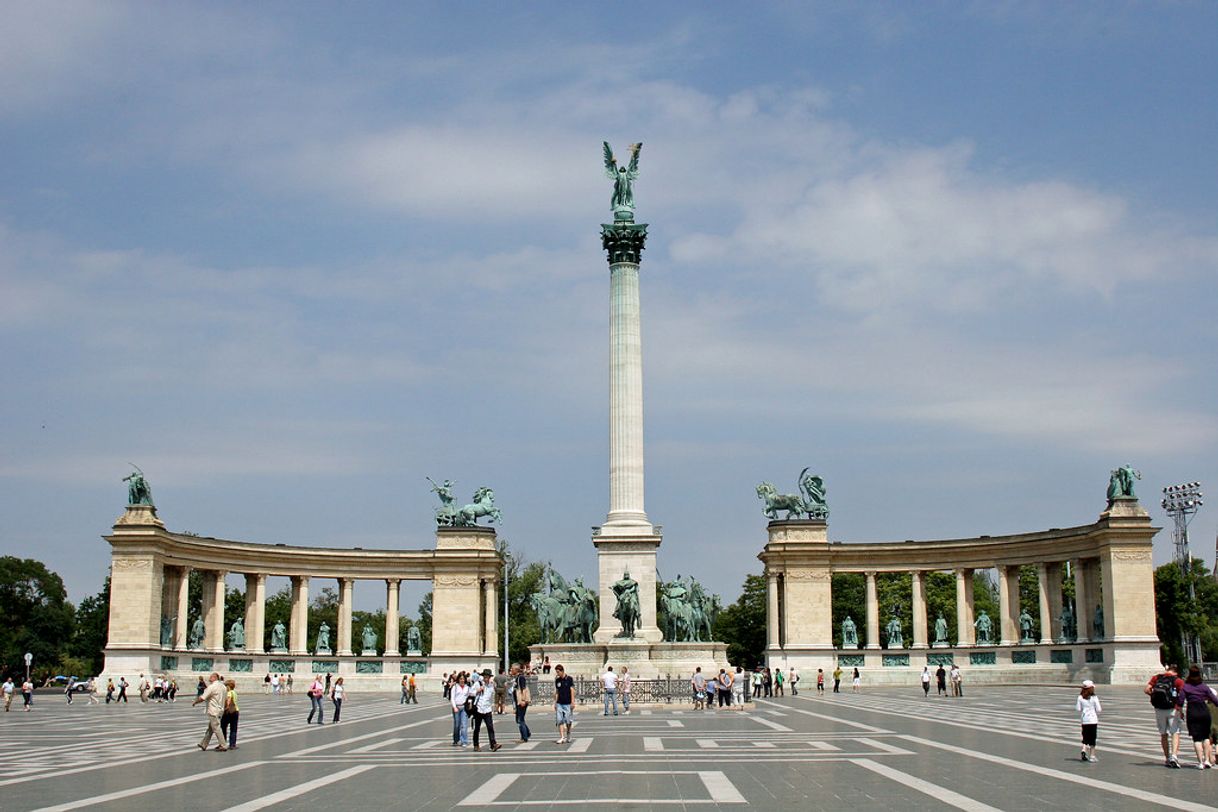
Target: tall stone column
x,y
627,541
183,623
213,610
965,631
1053,571
255,612
299,629
873,612
391,617
919,609
489,603
1008,601
1046,607
771,611
1081,600
346,594
1091,574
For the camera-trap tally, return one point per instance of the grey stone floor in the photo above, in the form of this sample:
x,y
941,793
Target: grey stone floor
x,y
998,748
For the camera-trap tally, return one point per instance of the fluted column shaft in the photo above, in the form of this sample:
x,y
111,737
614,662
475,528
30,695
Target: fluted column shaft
x,y
919,610
1046,607
771,610
965,632
1008,629
488,625
873,612
298,628
255,612
183,622
1081,601
213,605
391,617
346,594
625,397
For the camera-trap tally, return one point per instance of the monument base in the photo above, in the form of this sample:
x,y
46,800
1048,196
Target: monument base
x,y
646,660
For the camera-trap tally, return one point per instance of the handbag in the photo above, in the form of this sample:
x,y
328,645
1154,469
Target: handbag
x,y
523,697
471,703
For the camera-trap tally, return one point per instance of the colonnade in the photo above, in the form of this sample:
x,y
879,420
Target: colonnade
x,y
1109,564
150,576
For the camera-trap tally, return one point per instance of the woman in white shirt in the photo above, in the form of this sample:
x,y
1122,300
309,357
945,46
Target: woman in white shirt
x,y
1088,707
457,696
337,692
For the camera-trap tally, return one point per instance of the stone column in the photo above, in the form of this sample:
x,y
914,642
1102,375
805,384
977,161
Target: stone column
x,y
965,631
1046,606
1008,628
255,609
873,612
624,242
213,610
170,575
771,611
298,642
1054,572
183,625
391,617
489,637
346,594
1081,600
919,609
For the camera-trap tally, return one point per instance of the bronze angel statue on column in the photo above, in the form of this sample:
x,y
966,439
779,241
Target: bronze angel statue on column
x,y
623,178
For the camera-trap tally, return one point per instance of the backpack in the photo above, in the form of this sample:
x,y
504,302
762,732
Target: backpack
x,y
1163,693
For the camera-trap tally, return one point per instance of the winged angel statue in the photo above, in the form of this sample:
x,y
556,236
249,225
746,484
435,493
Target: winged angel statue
x,y
623,178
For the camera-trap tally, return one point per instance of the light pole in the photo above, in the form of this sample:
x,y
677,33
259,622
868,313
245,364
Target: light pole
x,y
1181,503
29,658
507,666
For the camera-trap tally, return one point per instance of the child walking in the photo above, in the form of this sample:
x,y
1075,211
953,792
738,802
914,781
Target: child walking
x,y
1088,707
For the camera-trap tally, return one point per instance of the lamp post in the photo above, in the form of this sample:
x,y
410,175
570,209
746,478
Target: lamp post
x,y
1181,503
507,666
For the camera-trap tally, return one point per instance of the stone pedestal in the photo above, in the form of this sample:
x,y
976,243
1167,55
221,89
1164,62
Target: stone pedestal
x,y
616,556
460,603
645,660
797,563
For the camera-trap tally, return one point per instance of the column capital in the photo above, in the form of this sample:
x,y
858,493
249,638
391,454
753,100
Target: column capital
x,y
624,241
393,581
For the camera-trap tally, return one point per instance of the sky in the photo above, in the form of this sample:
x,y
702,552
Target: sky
x,y
292,258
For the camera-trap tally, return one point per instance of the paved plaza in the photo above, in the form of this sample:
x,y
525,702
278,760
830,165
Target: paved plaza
x,y
997,748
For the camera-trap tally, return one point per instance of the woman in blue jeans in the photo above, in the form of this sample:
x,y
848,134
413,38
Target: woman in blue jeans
x,y
460,718
520,698
316,692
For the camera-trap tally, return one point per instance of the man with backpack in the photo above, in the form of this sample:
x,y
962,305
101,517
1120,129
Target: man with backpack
x,y
1166,692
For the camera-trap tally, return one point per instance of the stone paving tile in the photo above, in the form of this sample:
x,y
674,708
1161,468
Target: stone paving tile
x,y
1004,748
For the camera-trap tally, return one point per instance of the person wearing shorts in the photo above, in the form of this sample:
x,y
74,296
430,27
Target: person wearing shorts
x,y
564,703
1167,720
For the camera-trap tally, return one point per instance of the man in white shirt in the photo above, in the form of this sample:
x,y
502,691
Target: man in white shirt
x,y
8,689
214,696
609,680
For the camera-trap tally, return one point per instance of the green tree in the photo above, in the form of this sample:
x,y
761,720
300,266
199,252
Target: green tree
x,y
524,578
1177,613
895,591
849,598
37,616
941,600
324,609
425,622
742,624
91,629
278,610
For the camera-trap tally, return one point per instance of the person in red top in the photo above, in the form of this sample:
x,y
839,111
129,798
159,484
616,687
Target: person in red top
x,y
1166,692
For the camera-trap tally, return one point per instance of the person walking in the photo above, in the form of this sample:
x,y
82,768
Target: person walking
x,y
27,694
779,681
757,682
1198,697
231,715
484,707
793,675
856,682
69,689
213,695
266,684
941,680
1088,707
1166,692
521,697
290,683
564,703
925,681
457,695
316,691
623,685
144,688
609,682
337,692
405,690
9,689
698,683
820,681
837,680
769,683
410,695
725,688
200,688
109,691
501,686
94,687
957,681
275,684
739,680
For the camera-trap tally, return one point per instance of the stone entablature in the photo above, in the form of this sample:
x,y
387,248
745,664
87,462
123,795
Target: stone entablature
x,y
1110,563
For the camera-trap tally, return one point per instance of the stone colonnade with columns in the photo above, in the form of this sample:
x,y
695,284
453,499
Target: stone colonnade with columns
x,y
1110,566
149,579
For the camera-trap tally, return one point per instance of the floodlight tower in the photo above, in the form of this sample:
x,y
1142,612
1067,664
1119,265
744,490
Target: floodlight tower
x,y
1181,503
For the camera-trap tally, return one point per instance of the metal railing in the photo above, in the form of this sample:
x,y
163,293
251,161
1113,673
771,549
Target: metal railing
x,y
672,690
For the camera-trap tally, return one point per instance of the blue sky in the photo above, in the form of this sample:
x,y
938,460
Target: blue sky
x,y
293,258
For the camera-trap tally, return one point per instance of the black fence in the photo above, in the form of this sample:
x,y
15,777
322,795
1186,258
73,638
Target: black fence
x,y
673,690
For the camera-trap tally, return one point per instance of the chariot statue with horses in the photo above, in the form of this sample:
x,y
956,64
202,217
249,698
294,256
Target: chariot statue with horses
x,y
808,503
449,515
